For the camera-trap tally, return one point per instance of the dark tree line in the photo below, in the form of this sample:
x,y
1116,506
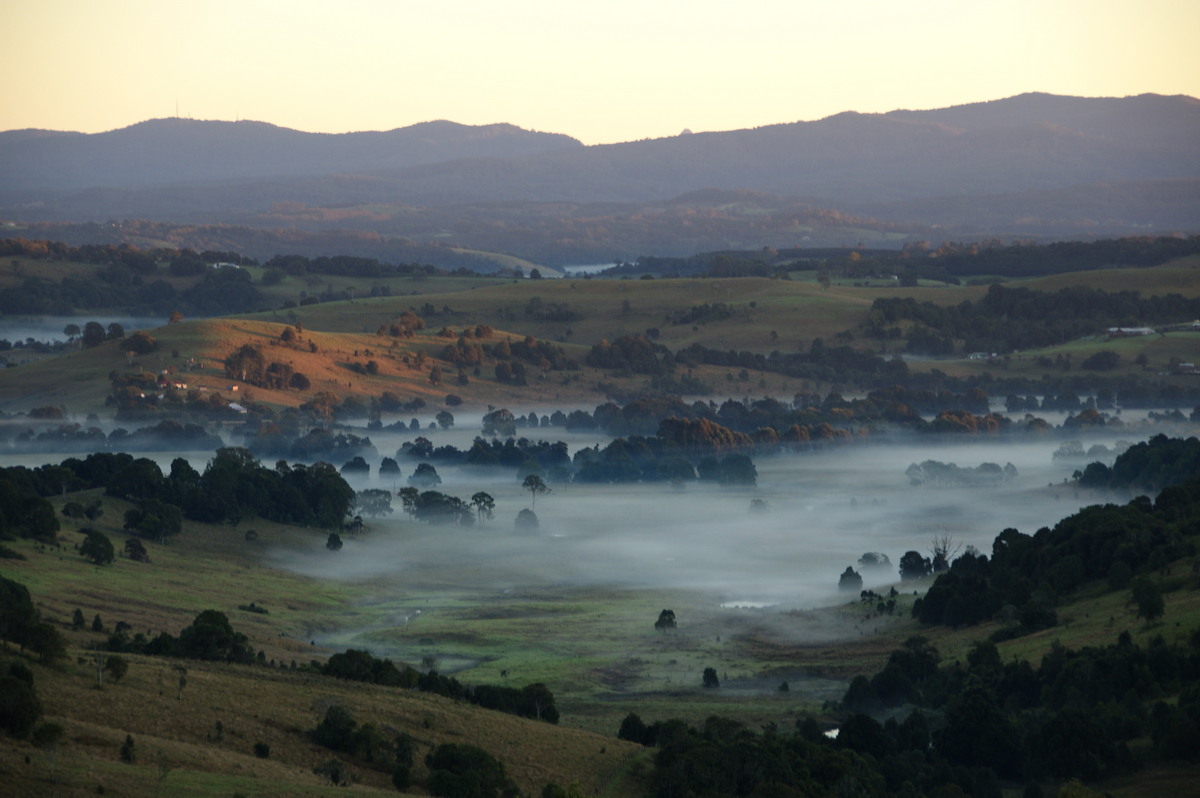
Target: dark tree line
x,y
1149,466
233,486
532,701
1010,319
168,434
209,637
1072,717
1027,573
967,726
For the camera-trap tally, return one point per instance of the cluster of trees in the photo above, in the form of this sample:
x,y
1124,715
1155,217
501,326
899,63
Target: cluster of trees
x,y
22,624
519,453
24,512
704,314
127,283
510,358
945,262
1072,717
209,637
248,365
167,435
662,458
351,266
1010,319
835,364
932,473
1026,574
1029,260
532,701
724,757
1149,466
969,726
367,743
234,485
631,354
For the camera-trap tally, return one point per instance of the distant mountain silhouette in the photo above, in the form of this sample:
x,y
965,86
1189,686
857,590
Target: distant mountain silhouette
x,y
177,151
1034,162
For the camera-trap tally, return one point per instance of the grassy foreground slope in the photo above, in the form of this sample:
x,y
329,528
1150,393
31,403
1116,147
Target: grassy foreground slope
x,y
554,635
214,567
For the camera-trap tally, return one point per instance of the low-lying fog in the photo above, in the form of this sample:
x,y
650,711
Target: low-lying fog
x,y
823,512
50,329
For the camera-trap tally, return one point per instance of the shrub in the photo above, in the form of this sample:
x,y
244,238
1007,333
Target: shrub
x,y
127,754
117,666
97,548
262,750
20,708
467,771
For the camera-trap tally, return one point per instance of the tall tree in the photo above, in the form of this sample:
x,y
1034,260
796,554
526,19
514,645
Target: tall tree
x,y
484,505
534,484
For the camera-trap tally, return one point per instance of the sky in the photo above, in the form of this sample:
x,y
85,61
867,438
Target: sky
x,y
605,72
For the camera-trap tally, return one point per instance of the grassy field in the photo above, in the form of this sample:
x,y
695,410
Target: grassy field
x,y
595,646
767,315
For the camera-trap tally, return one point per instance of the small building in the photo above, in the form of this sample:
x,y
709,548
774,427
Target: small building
x,y
1129,332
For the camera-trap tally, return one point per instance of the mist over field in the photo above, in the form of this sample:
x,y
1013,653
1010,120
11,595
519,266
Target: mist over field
x,y
824,510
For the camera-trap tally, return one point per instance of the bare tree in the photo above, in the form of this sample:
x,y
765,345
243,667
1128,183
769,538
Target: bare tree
x,y
943,551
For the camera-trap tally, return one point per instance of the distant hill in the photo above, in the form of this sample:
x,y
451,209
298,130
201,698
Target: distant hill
x,y
1030,165
163,152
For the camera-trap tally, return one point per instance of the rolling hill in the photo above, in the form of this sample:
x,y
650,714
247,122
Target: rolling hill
x,y
1035,164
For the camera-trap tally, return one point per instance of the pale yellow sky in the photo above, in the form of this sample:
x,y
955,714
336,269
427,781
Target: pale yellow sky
x,y
602,72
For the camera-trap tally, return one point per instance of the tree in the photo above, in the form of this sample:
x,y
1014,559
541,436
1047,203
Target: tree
x,y
409,498
333,542
534,484
373,502
47,737
666,620
527,519
633,729
425,476
466,771
914,566
484,505
97,548
445,419
211,637
136,550
93,334
1147,595
127,753
246,364
116,666
943,550
710,678
850,581
154,519
72,331
20,708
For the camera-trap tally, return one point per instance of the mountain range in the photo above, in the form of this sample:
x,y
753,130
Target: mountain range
x,y
1031,165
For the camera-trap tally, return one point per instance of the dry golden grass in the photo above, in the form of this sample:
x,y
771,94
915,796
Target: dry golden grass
x,y
214,567
276,707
